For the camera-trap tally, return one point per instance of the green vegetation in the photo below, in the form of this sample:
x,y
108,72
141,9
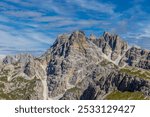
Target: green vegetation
x,y
20,79
74,89
19,88
17,67
141,73
105,63
5,72
1,86
3,79
4,96
74,92
117,95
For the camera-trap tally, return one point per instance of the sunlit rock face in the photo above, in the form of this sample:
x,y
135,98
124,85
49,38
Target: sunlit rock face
x,y
77,67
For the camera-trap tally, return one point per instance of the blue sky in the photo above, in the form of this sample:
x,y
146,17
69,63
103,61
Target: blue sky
x,y
33,25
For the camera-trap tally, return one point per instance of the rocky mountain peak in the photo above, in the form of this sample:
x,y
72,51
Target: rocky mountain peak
x,y
77,67
67,42
113,40
19,58
63,38
92,37
136,57
106,34
78,36
78,32
112,45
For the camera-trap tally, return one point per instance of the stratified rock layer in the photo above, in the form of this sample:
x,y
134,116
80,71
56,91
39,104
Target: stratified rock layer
x,y
77,67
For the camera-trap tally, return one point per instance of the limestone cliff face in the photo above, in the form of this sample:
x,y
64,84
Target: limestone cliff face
x,y
81,66
20,58
101,86
120,53
70,58
111,44
21,77
136,57
77,67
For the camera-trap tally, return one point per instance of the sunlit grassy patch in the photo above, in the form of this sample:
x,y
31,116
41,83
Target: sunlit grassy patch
x,y
141,73
117,95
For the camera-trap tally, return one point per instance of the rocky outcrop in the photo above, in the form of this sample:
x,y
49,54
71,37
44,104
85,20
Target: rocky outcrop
x,y
111,44
69,59
20,58
24,75
77,67
98,89
120,53
20,89
136,57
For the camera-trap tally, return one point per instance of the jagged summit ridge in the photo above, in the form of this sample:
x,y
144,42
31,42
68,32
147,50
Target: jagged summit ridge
x,y
79,67
69,62
92,37
112,46
21,58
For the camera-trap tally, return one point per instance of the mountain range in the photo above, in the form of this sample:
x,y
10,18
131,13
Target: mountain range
x,y
77,67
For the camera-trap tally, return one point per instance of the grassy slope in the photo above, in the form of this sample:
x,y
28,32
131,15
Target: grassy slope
x,y
117,95
141,73
22,89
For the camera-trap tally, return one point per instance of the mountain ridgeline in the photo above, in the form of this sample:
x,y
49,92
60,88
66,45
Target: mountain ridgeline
x,y
77,67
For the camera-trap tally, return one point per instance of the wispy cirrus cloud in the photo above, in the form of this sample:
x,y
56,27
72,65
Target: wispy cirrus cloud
x,y
23,14
94,5
34,24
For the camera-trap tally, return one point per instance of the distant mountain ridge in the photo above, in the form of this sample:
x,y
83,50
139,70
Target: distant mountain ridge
x,y
77,67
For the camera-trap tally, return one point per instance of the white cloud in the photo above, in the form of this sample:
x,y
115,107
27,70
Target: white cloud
x,y
143,33
140,38
21,2
28,41
5,6
23,14
4,19
2,56
50,18
94,5
26,29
